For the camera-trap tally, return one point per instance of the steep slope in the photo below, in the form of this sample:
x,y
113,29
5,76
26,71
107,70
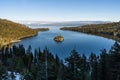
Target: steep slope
x,y
12,32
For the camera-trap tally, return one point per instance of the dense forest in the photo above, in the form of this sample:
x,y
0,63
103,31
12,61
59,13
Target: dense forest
x,y
11,31
108,30
43,65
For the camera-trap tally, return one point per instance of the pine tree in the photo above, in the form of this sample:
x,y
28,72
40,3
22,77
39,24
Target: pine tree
x,y
84,68
93,67
74,65
114,61
103,66
3,72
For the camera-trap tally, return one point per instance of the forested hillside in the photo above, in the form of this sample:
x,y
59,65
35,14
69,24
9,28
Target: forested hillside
x,y
109,30
11,31
43,65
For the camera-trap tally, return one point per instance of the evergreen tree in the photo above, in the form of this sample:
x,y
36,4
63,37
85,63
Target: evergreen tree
x,y
74,65
3,72
103,66
114,61
93,67
84,68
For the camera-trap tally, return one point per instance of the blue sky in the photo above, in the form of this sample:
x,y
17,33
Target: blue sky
x,y
60,10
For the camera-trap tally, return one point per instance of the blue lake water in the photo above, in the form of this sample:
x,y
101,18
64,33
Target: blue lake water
x,y
83,43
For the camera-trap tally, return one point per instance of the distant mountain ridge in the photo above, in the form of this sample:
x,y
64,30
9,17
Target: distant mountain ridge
x,y
64,23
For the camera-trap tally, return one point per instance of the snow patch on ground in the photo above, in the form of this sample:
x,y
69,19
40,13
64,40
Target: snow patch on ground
x,y
17,75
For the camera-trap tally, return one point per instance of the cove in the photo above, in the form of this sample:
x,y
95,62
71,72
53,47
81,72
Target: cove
x,y
81,42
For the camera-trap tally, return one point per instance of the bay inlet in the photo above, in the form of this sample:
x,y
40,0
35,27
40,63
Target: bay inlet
x,y
83,43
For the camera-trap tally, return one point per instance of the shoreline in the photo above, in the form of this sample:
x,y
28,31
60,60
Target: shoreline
x,y
12,32
107,30
24,37
96,34
16,41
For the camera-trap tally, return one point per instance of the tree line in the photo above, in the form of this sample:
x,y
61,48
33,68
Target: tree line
x,y
43,65
108,30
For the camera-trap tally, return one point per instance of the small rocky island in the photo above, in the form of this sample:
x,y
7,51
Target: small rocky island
x,y
59,38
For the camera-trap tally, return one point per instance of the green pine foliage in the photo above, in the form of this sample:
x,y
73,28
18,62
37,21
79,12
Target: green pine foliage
x,y
43,65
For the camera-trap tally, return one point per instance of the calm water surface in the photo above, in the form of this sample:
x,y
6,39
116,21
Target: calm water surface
x,y
83,43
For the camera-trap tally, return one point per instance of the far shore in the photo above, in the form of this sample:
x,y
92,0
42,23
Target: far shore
x,y
96,34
